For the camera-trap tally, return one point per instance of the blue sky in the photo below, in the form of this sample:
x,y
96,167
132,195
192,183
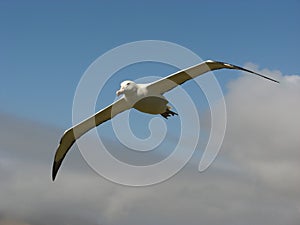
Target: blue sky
x,y
47,46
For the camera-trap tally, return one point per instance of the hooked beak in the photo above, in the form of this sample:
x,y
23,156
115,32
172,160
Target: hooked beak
x,y
119,92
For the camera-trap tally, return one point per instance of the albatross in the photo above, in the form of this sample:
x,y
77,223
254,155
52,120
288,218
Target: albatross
x,y
147,98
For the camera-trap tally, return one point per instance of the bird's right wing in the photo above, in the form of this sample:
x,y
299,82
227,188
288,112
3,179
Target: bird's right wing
x,y
78,130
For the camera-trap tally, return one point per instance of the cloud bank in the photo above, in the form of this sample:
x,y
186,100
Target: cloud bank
x,y
254,180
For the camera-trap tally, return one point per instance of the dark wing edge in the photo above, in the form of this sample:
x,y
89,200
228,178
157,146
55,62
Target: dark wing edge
x,y
70,135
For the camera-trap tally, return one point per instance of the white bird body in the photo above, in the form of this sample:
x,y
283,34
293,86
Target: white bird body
x,y
139,97
147,98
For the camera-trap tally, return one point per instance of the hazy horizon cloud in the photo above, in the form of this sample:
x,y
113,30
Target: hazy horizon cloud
x,y
254,179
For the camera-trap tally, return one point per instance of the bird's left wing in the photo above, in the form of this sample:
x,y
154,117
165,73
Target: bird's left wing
x,y
78,130
167,83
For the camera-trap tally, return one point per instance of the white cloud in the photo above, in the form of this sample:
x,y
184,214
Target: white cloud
x,y
261,185
263,128
12,222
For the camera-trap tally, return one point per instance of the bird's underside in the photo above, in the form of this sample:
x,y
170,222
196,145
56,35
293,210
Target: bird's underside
x,y
153,103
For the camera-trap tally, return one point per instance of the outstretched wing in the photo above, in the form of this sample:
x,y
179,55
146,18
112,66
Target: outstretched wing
x,y
167,83
78,130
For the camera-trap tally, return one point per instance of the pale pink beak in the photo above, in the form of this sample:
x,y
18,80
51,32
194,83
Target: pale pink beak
x,y
119,92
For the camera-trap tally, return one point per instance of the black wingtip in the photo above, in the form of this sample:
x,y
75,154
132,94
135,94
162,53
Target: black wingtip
x,y
249,71
268,78
55,168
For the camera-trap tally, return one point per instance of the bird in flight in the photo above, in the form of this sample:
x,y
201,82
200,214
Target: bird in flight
x,y
147,98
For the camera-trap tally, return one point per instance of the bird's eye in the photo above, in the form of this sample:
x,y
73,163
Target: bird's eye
x,y
127,83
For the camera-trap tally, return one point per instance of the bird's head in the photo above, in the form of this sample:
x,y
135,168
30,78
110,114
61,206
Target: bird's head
x,y
127,87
